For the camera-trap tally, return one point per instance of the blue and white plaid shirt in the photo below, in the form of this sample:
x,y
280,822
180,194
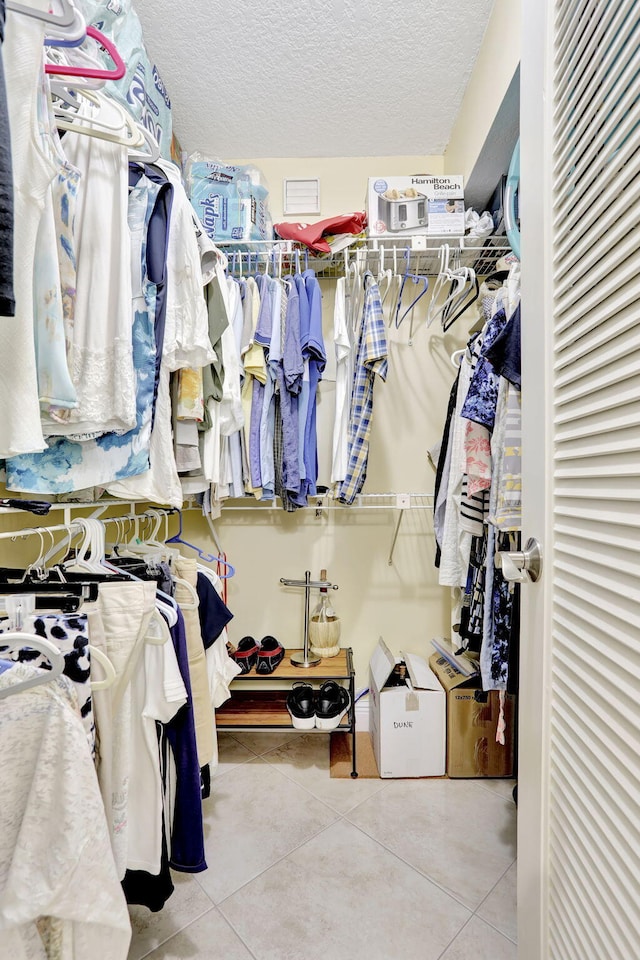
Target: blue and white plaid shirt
x,y
371,360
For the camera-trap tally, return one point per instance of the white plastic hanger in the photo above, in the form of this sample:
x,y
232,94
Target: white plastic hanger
x,y
56,659
123,130
195,600
109,679
456,279
65,18
158,631
153,153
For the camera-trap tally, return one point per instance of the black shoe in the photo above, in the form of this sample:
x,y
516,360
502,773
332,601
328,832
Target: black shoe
x,y
246,656
270,655
332,703
301,706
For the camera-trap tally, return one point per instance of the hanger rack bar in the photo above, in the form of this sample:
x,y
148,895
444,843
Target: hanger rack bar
x,y
364,501
417,254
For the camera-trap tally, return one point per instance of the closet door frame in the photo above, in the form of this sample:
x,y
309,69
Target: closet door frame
x,y
537,322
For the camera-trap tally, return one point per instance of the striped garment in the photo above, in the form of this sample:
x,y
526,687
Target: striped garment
x,y
371,360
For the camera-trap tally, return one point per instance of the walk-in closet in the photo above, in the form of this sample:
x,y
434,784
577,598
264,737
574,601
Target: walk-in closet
x,y
319,603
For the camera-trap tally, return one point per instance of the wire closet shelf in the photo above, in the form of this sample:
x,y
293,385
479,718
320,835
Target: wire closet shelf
x,y
420,255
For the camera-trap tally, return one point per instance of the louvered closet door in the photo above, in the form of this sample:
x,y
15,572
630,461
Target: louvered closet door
x,y
579,815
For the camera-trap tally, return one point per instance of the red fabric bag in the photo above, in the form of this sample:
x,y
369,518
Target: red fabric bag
x,y
311,234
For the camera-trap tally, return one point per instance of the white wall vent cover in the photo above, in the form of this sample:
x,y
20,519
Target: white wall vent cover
x,y
301,196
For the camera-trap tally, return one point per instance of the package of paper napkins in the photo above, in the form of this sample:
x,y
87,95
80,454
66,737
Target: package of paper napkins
x,y
231,201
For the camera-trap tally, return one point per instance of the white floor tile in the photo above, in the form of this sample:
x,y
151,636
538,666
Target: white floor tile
x,y
500,907
460,835
210,937
478,941
342,895
231,753
254,817
187,903
503,788
261,743
306,760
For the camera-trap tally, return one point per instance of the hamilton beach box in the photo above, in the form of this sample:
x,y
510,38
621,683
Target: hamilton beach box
x,y
406,715
472,721
419,204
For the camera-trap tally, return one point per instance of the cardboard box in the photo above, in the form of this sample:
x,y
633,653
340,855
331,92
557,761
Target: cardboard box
x,y
445,206
419,204
407,721
472,721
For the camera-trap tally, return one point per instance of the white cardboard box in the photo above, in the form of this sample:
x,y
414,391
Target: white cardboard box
x,y
407,724
420,204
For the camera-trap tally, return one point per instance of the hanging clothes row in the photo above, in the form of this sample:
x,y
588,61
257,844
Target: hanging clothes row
x,y
477,504
133,753
109,277
246,424
135,364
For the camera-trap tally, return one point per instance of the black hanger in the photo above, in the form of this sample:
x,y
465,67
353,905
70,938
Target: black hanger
x,y
84,591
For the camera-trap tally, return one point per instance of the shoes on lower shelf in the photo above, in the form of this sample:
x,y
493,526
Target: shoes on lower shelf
x,y
332,702
246,654
301,706
270,655
323,710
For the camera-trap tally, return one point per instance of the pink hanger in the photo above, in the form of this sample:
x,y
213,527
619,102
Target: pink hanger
x,y
96,73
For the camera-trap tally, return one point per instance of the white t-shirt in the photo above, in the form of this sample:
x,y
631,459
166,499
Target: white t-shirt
x,y
186,335
157,693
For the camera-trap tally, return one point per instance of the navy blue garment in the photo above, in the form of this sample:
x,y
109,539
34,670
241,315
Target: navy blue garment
x,y
482,397
214,613
504,354
157,250
7,301
187,834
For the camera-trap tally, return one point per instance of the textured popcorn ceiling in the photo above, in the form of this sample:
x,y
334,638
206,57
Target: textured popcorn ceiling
x,y
326,79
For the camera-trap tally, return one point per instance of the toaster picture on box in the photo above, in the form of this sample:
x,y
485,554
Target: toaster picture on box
x,y
402,209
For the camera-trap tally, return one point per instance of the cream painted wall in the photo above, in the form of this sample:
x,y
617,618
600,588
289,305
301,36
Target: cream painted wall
x,y
493,71
343,180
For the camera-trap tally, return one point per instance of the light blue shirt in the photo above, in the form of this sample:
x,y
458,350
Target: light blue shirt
x,y
267,422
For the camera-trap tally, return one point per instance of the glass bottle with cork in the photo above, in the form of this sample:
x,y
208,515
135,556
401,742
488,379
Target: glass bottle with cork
x,y
324,625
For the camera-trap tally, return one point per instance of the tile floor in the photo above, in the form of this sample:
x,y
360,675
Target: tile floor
x,y
303,867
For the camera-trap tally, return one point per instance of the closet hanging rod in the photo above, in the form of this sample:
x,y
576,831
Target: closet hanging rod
x,y
364,501
422,258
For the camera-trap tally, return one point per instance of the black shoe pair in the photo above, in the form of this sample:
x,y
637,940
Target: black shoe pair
x,y
264,656
323,710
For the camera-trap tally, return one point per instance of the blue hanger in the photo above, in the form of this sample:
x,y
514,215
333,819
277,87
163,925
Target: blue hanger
x,y
57,42
415,278
206,557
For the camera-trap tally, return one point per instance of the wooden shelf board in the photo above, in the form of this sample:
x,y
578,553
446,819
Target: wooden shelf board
x,y
260,708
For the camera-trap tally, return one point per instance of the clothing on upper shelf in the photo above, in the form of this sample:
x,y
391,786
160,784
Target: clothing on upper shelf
x,y
20,425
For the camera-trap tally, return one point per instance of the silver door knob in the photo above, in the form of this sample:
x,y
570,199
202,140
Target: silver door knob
x,y
521,566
